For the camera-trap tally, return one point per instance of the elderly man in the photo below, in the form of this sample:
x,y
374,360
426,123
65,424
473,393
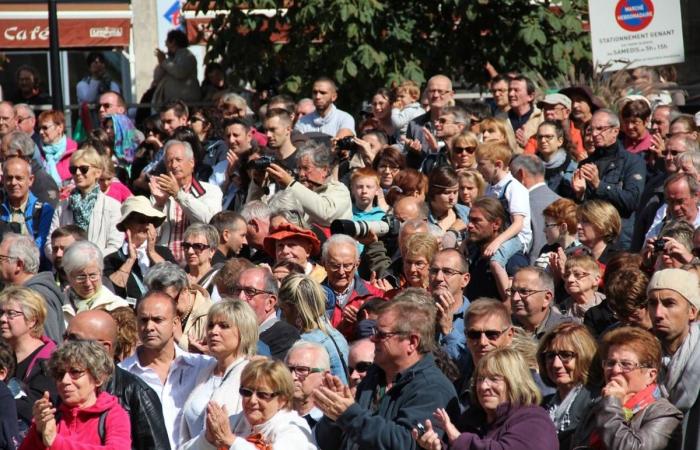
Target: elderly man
x,y
309,363
440,94
523,116
531,302
148,430
160,363
448,276
322,198
360,359
452,121
20,267
288,242
326,118
19,144
404,368
232,230
182,197
346,292
529,170
682,194
673,304
611,173
257,216
258,287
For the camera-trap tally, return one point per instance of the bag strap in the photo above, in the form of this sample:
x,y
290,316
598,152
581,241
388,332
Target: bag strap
x,y
101,426
340,355
36,218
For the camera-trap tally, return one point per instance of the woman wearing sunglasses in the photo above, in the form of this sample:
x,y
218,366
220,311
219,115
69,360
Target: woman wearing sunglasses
x,y
565,358
87,417
87,206
631,412
267,420
199,244
463,150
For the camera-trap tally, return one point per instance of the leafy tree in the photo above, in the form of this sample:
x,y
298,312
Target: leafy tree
x,y
366,44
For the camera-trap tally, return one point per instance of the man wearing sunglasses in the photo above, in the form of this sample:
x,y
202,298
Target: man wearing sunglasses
x,y
308,362
360,359
452,121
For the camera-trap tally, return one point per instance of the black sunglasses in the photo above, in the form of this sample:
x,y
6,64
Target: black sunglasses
x,y
459,150
197,246
267,396
491,335
361,367
83,169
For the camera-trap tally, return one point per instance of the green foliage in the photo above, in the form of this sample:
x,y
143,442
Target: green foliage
x,y
366,44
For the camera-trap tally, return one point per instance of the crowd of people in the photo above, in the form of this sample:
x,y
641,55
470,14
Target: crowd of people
x,y
519,273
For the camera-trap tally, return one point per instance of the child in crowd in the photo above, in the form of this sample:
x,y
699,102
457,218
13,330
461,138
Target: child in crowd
x,y
407,107
492,162
364,187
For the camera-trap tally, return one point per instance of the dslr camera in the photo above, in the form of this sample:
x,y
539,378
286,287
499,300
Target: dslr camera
x,y
389,226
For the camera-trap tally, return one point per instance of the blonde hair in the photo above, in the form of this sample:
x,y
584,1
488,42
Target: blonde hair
x,y
502,127
272,372
307,299
238,314
603,216
494,151
573,337
475,177
33,306
411,88
509,364
586,262
421,244
89,155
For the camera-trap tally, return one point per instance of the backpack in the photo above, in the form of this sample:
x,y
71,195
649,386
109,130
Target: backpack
x,y
101,425
506,205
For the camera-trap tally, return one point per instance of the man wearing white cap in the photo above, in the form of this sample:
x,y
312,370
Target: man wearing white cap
x,y
557,108
674,300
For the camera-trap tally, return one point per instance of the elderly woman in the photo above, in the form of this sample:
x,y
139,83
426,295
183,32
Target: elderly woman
x,y
88,417
417,252
506,414
581,278
303,304
288,242
22,315
175,76
471,186
565,357
199,244
232,334
57,148
463,151
267,421
127,267
445,212
87,207
84,264
388,162
632,412
193,303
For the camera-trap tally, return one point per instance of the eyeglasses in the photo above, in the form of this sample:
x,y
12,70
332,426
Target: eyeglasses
x,y
577,275
304,371
420,265
47,127
22,119
490,379
460,150
491,335
563,355
196,246
82,278
10,313
74,374
672,152
383,167
266,396
7,258
340,267
546,137
83,169
625,365
382,335
448,272
523,292
439,92
250,292
361,367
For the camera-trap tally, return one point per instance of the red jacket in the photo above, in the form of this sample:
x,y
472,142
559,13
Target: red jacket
x,y
77,428
362,292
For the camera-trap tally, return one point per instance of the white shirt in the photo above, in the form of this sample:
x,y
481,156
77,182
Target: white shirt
x,y
179,383
333,122
518,202
659,221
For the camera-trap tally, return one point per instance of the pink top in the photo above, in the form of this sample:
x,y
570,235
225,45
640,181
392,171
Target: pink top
x,y
640,146
118,191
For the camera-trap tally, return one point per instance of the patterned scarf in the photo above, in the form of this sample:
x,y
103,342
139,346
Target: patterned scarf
x,y
53,153
82,206
125,139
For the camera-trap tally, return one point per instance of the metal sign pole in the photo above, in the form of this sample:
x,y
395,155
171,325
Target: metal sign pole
x,y
56,87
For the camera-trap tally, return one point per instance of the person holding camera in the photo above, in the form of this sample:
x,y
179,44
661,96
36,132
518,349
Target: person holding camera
x,y
322,198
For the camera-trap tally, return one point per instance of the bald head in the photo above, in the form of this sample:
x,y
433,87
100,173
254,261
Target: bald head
x,y
408,208
94,325
157,298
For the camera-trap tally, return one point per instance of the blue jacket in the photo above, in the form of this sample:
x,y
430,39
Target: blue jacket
x,y
417,392
39,231
336,346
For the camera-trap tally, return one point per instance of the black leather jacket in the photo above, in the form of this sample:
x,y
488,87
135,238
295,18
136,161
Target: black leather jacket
x,y
145,412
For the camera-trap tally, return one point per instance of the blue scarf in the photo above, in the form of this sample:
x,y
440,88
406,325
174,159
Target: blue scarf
x,y
82,206
53,154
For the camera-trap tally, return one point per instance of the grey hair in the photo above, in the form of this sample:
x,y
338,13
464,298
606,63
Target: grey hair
x,y
529,163
21,142
458,113
690,145
164,275
320,153
613,119
321,361
692,157
210,233
24,249
285,204
690,180
256,210
25,107
338,239
415,295
188,148
86,354
544,278
232,97
80,254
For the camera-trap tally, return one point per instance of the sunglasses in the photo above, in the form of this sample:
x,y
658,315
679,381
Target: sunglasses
x,y
267,396
459,150
83,169
563,355
361,367
197,246
491,335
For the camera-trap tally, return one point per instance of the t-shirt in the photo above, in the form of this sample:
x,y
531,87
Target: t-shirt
x,y
518,203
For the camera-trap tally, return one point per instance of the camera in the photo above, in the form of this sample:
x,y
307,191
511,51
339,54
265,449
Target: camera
x,y
388,226
263,162
659,244
345,143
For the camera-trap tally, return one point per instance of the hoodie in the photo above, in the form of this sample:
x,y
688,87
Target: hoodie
x,y
44,284
77,429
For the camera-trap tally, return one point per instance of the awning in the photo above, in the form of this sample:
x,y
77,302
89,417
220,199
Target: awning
x,y
26,26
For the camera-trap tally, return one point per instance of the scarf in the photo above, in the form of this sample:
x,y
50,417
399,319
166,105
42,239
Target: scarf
x,y
82,206
680,378
52,154
638,402
559,409
556,160
125,139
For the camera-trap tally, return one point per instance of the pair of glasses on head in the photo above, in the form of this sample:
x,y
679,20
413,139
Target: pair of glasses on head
x,y
266,396
523,292
10,313
304,371
381,335
82,169
196,246
361,367
563,355
83,277
249,292
491,335
460,150
625,365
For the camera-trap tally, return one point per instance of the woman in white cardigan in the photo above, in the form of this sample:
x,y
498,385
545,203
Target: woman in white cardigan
x,y
232,336
87,207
